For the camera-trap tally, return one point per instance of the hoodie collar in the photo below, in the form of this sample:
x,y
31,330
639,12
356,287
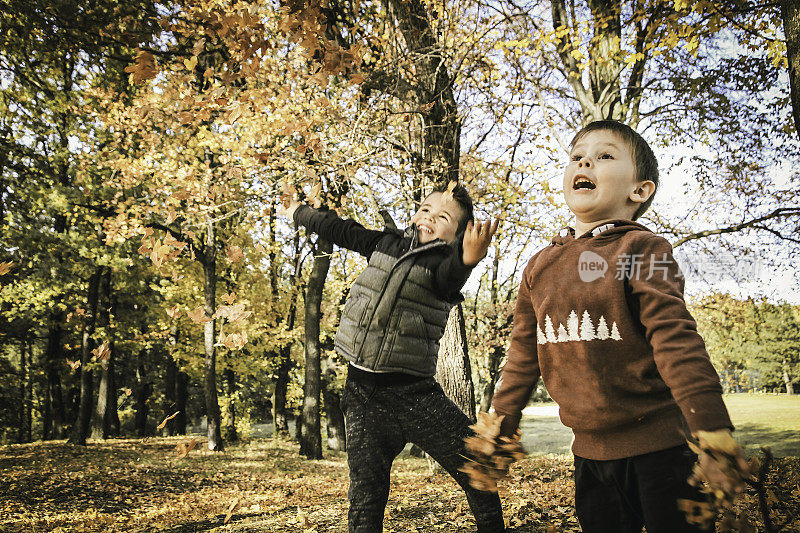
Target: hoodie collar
x,y
613,227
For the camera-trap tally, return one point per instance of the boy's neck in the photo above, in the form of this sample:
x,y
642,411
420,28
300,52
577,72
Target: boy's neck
x,y
582,227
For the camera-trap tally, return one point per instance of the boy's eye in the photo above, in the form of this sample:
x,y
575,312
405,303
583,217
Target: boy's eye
x,y
606,156
576,157
444,217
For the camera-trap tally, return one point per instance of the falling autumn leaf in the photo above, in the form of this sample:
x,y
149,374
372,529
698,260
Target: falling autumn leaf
x,y
164,422
235,254
183,449
102,352
5,268
175,312
198,315
230,510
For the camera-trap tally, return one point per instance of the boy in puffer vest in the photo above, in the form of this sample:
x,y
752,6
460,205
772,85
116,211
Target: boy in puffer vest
x,y
601,318
389,332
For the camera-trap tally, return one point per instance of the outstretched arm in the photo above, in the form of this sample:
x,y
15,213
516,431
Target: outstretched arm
x,y
345,233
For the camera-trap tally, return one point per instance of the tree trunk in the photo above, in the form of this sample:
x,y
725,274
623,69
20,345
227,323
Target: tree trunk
x,y
333,412
25,390
80,431
54,412
790,11
786,378
311,440
142,394
280,419
181,397
106,419
495,356
210,364
280,422
170,382
453,370
229,430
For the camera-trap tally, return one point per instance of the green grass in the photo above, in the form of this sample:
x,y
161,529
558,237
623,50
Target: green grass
x,y
761,420
768,420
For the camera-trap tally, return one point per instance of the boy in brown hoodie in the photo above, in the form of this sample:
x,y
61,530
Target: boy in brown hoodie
x,y
601,318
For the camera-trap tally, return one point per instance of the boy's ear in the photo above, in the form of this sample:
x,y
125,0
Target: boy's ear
x,y
642,191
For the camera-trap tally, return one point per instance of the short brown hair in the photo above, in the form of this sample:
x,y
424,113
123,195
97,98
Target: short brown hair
x,y
463,199
644,159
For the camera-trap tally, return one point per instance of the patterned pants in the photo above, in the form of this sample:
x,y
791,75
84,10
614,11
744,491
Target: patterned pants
x,y
381,418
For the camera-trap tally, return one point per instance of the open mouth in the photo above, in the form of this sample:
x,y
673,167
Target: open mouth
x,y
582,182
425,229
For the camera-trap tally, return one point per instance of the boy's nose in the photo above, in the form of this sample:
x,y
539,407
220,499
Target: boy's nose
x,y
584,162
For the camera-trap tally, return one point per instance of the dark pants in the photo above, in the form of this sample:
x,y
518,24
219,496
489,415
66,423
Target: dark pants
x,y
381,418
622,495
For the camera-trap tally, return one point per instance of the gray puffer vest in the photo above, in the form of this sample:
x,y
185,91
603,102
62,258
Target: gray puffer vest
x,y
393,319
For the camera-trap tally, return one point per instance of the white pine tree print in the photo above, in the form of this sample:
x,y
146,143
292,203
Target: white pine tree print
x,y
562,333
615,332
587,328
540,339
572,327
550,333
602,329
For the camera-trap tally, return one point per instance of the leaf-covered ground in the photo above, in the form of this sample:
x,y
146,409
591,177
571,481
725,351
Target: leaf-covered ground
x,y
137,485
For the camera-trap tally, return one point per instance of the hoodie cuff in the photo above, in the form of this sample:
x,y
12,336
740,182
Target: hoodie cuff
x,y
706,412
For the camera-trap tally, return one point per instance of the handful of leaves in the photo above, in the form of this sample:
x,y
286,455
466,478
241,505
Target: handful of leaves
x,y
488,454
720,472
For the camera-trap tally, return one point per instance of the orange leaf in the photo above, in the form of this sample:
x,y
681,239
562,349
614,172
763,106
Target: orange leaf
x,y
102,352
5,268
170,417
175,312
198,315
184,449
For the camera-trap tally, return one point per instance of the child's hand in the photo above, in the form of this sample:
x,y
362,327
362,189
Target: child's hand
x,y
720,471
289,202
720,463
477,238
488,455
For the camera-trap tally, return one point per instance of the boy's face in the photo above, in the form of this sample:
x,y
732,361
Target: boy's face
x,y
437,218
600,180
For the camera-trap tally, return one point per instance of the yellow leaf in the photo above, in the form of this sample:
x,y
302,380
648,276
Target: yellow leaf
x,y
5,268
190,63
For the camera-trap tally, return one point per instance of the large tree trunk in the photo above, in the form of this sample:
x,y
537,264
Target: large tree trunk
x,y
106,419
229,430
181,397
453,370
170,382
142,393
790,10
210,365
25,390
311,440
334,417
83,423
280,421
54,412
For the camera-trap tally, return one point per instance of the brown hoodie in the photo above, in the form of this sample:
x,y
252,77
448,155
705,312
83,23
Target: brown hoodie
x,y
601,318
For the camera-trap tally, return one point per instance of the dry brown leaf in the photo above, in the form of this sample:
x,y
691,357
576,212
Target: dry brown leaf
x,y
230,509
164,422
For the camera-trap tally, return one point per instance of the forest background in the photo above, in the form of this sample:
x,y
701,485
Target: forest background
x,y
148,286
